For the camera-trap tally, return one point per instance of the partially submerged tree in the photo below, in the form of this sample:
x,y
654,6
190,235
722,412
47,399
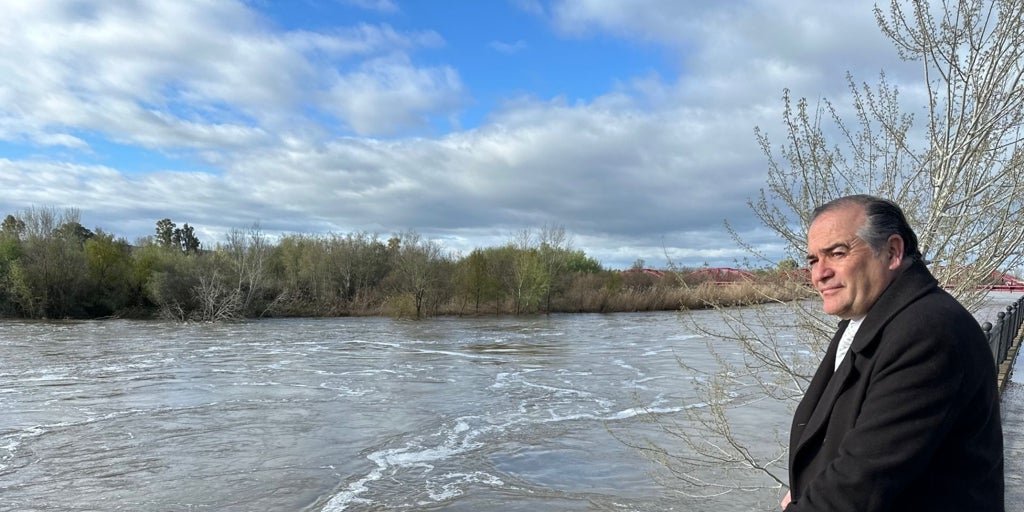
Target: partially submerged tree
x,y
416,277
957,174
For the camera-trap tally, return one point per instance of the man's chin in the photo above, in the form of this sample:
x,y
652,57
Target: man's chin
x,y
833,309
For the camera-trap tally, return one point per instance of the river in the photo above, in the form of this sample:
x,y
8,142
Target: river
x,y
453,414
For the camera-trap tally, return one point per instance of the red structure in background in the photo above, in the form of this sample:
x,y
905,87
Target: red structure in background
x,y
645,271
999,281
722,275
716,275
1004,282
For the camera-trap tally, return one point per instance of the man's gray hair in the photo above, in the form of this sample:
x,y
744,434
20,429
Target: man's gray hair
x,y
884,219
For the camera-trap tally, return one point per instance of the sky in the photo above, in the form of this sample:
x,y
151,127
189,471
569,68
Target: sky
x,y
628,124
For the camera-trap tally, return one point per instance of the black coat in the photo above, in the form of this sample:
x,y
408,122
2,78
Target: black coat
x,y
910,420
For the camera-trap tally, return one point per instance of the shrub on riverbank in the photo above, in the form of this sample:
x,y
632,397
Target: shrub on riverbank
x,y
612,291
746,293
52,267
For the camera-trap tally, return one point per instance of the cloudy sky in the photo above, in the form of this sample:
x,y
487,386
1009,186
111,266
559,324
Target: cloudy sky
x,y
630,124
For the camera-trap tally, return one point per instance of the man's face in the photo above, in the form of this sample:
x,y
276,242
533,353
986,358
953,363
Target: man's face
x,y
848,275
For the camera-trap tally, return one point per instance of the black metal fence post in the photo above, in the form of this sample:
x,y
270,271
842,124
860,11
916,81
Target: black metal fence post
x,y
1004,347
1001,335
987,328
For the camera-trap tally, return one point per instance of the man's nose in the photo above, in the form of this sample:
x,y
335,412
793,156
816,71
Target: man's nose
x,y
820,271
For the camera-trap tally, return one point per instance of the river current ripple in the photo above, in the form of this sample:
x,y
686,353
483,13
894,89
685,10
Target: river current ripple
x,y
340,414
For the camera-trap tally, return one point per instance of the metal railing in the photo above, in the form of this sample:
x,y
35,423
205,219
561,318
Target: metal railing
x,y
1004,331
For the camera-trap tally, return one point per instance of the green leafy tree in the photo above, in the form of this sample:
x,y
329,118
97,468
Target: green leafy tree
x,y
316,273
185,239
554,251
529,281
110,270
295,265
367,268
12,227
73,231
10,253
188,288
48,280
417,272
146,259
478,283
171,285
578,261
165,233
787,265
170,236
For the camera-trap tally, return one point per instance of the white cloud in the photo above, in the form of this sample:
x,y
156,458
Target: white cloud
x,y
389,94
654,166
170,74
663,21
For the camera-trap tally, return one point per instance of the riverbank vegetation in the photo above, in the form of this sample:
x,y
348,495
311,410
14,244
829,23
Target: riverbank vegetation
x,y
53,267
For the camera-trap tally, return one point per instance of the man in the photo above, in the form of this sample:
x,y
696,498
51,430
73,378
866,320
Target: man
x,y
903,413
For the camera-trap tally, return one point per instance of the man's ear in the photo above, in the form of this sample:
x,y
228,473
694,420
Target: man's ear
x,y
894,248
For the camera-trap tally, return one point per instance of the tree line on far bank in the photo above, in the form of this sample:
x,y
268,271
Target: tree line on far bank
x,y
53,267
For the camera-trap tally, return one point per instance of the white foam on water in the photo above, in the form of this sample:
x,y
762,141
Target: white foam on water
x,y
460,438
49,377
645,380
456,354
463,435
350,496
506,379
557,390
343,390
451,485
389,344
15,438
633,412
370,371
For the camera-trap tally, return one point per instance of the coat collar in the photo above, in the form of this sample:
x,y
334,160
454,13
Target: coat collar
x,y
910,285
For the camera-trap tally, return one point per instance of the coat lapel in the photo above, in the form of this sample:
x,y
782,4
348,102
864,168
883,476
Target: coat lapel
x,y
812,400
911,285
828,390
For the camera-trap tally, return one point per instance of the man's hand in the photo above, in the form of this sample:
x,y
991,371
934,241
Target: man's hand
x,y
785,500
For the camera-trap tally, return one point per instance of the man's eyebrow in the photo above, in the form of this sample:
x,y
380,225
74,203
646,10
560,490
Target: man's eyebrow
x,y
831,248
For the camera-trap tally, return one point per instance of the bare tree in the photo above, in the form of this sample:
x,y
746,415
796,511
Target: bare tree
x,y
958,176
248,253
216,301
555,249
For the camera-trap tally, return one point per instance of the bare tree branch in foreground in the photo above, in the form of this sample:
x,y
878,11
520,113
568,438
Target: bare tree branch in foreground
x,y
957,175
